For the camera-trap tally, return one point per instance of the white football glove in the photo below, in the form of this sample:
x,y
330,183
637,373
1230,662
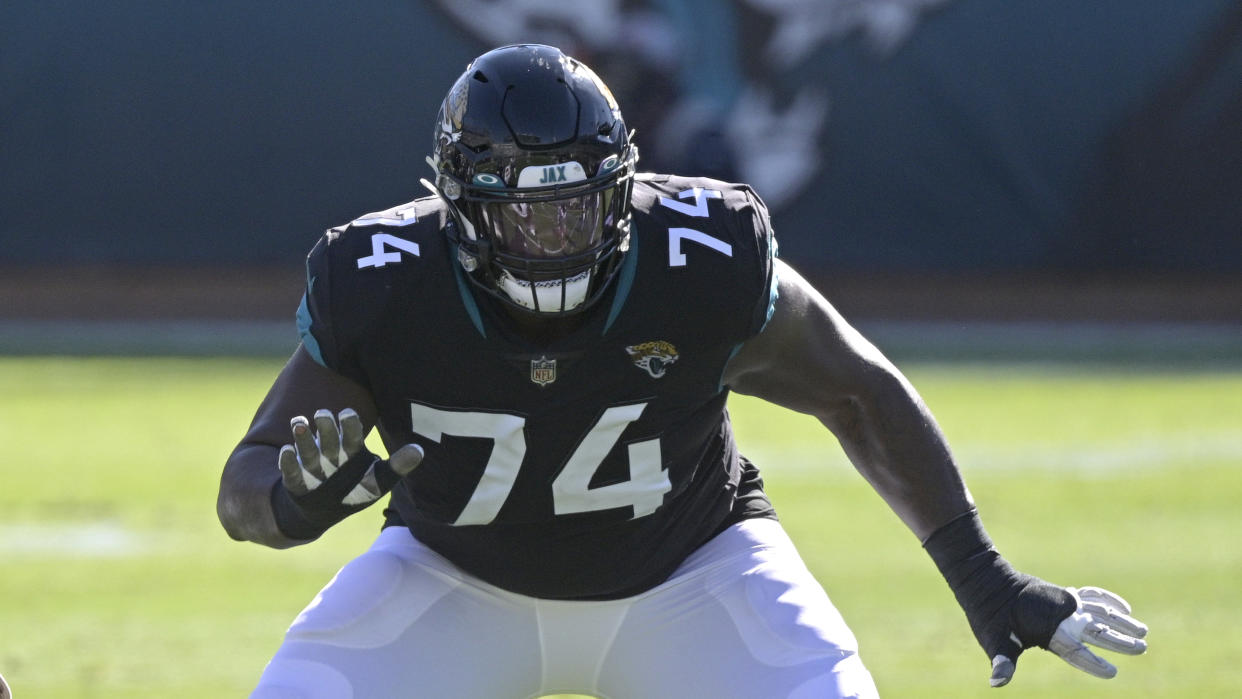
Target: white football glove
x,y
1103,620
328,474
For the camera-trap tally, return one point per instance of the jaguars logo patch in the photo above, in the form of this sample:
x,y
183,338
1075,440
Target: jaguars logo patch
x,y
653,357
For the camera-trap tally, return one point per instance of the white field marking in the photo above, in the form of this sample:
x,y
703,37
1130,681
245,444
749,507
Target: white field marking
x,y
73,539
1053,340
1140,455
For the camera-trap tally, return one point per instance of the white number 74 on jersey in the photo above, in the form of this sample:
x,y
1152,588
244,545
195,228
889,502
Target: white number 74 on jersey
x,y
677,258
571,491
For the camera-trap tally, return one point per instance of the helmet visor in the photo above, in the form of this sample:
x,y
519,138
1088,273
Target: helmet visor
x,y
550,229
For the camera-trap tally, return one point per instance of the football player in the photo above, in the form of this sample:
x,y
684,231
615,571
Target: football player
x,y
546,345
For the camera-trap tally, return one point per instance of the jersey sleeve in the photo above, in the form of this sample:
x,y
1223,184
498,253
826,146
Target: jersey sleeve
x,y
355,273
752,216
314,316
326,324
714,241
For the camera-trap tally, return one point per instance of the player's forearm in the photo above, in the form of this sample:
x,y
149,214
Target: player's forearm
x,y
895,443
244,504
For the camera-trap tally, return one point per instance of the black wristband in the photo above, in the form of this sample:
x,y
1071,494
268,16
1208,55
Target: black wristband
x,y
957,543
306,517
291,520
983,582
1000,603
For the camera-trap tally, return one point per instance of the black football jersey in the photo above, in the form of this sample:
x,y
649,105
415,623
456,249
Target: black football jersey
x,y
585,468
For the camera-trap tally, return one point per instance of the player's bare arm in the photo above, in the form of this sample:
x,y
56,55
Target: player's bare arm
x,y
302,461
811,360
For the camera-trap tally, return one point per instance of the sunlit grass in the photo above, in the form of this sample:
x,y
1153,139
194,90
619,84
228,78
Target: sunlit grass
x,y
118,581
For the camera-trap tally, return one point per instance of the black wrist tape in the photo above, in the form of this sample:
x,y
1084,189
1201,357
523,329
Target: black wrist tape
x,y
292,520
997,599
960,546
983,582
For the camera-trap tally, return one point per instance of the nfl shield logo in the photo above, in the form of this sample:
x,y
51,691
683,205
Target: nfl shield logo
x,y
543,371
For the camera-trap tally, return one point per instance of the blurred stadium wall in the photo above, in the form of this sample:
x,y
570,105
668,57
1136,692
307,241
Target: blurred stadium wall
x,y
921,157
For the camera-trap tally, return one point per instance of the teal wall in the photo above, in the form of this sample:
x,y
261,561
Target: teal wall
x,y
986,135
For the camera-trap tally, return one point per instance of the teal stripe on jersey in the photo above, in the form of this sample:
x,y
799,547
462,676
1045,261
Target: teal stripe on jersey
x,y
629,267
774,289
467,300
304,329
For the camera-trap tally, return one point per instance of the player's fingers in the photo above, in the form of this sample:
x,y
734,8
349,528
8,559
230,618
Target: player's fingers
x,y
1002,671
329,437
1101,596
367,490
1004,651
1076,654
1108,623
352,432
307,447
382,475
405,460
292,475
1110,639
1109,616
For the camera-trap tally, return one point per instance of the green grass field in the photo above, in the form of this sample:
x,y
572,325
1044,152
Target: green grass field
x,y
117,581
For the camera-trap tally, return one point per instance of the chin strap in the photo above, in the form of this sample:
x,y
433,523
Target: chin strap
x,y
552,296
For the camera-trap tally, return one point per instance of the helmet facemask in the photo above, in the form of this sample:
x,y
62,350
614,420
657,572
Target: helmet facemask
x,y
553,246
536,169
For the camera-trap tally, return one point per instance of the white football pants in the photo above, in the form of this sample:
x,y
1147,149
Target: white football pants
x,y
742,618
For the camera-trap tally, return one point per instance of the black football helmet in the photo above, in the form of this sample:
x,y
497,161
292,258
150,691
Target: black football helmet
x,y
535,165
